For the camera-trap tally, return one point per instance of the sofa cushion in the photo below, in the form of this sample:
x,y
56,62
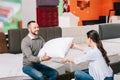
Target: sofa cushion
x,y
14,41
79,33
3,43
50,32
109,31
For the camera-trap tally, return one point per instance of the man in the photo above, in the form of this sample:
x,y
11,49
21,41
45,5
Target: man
x,y
30,46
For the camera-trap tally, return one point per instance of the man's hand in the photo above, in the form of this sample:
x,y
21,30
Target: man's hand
x,y
45,57
64,60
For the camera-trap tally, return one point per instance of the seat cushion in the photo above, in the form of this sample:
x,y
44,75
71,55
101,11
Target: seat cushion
x,y
58,66
111,47
114,58
113,51
11,65
17,78
114,40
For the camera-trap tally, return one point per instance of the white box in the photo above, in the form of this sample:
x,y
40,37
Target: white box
x,y
68,20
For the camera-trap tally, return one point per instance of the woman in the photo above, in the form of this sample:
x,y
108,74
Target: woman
x,y
99,64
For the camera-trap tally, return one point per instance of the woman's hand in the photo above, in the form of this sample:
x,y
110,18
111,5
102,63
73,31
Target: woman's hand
x,y
73,45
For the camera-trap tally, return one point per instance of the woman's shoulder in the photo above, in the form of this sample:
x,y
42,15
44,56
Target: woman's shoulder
x,y
91,50
97,51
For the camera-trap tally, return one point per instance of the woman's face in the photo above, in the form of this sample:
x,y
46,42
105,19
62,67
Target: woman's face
x,y
88,41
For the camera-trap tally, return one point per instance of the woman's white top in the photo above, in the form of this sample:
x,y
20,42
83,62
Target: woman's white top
x,y
98,68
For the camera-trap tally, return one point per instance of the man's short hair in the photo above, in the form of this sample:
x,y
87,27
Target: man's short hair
x,y
30,22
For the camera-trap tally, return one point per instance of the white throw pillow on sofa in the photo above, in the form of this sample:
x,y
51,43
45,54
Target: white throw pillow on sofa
x,y
57,47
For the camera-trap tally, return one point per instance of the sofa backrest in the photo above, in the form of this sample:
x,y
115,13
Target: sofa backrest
x,y
15,37
109,31
79,33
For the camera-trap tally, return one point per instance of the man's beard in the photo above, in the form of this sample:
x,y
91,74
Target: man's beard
x,y
34,33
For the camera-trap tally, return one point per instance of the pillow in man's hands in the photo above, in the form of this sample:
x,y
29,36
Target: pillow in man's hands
x,y
57,47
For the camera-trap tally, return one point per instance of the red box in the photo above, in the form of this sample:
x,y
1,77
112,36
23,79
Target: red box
x,y
47,16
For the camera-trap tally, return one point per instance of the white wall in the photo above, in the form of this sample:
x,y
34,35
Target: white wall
x,y
28,11
1,27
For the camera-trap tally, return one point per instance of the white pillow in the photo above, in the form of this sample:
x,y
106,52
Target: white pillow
x,y
57,47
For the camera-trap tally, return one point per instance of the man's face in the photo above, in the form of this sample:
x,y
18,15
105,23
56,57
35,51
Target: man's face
x,y
33,28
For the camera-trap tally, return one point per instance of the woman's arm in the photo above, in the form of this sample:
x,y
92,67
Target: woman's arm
x,y
77,47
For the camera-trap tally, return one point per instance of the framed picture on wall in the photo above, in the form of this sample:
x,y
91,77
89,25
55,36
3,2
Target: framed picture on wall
x,y
66,5
83,4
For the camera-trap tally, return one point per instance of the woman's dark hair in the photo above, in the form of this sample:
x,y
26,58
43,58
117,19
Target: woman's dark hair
x,y
92,34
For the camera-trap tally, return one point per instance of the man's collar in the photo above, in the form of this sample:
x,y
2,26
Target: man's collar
x,y
32,37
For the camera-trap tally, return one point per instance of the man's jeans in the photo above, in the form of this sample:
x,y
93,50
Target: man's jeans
x,y
38,71
84,75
